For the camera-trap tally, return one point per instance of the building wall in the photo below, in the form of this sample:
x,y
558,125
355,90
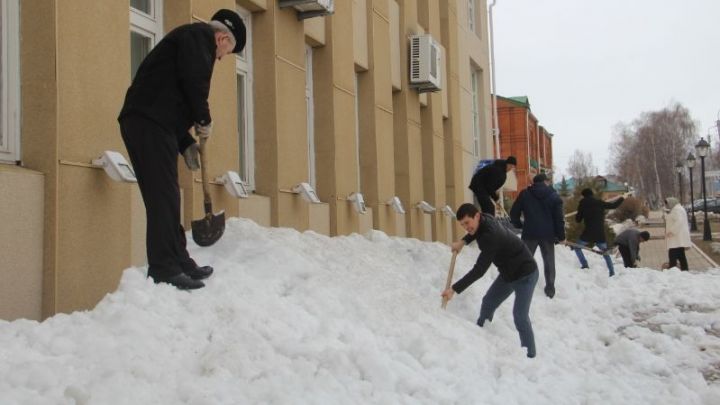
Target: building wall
x,y
86,229
519,137
22,265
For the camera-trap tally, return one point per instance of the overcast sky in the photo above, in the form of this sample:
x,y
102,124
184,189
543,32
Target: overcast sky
x,y
586,65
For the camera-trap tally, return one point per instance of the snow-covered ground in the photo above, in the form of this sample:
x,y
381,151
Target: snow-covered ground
x,y
300,318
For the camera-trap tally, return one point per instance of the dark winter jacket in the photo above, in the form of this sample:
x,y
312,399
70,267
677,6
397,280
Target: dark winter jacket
x,y
172,84
500,247
489,179
592,211
542,211
631,239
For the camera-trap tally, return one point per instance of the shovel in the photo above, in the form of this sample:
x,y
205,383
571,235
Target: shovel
x,y
504,219
207,230
448,282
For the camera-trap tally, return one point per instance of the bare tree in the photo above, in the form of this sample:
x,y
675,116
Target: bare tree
x,y
580,165
645,152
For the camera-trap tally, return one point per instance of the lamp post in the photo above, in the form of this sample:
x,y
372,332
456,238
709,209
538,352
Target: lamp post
x,y
679,169
702,151
690,162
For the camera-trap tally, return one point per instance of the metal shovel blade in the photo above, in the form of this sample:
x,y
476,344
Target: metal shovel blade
x,y
207,230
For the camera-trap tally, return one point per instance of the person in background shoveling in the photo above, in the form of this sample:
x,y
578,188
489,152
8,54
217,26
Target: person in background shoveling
x,y
628,243
487,181
677,233
543,224
592,211
517,268
168,96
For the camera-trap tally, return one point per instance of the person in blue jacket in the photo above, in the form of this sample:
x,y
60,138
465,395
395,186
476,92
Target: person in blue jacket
x,y
542,224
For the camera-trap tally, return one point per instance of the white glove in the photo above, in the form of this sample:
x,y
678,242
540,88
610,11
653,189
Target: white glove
x,y
203,131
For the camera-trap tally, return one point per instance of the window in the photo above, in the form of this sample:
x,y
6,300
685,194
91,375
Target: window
x,y
9,81
145,30
471,15
475,87
309,101
474,16
357,129
246,128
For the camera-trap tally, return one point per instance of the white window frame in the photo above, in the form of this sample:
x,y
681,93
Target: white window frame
x,y
10,69
475,112
148,25
244,67
310,104
471,15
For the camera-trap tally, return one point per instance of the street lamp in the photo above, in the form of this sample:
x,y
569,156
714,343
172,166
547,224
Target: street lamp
x,y
690,163
679,169
702,148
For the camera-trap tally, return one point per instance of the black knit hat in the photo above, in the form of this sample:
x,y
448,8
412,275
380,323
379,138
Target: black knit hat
x,y
540,178
235,24
586,192
511,160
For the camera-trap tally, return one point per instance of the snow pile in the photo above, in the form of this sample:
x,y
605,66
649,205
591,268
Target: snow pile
x,y
292,318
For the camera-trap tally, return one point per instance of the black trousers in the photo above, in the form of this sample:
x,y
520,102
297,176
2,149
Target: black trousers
x,y
676,254
547,250
626,256
486,203
153,153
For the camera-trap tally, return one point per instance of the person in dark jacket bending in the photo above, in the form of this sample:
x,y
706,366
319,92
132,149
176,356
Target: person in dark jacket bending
x,y
592,211
628,243
543,224
487,181
168,97
517,268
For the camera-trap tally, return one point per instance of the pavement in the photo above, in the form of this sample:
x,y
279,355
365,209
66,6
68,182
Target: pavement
x,y
654,252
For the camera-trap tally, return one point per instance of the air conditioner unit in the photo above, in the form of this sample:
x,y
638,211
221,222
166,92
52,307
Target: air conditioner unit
x,y
425,66
309,8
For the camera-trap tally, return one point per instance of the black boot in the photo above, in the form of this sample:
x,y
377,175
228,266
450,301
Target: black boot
x,y
181,281
196,272
199,273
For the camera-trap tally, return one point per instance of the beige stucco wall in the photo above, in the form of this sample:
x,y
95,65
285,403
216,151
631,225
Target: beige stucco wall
x,y
411,146
21,238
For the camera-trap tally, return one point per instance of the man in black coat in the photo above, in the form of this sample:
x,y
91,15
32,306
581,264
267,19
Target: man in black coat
x,y
592,211
517,268
168,96
543,224
487,181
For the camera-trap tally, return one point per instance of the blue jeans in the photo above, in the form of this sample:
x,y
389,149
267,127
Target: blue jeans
x,y
601,245
498,292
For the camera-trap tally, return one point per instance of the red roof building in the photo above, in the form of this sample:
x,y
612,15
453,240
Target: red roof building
x,y
522,136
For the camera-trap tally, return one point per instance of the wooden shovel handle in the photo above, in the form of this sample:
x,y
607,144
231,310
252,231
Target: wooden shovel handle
x,y
204,175
448,282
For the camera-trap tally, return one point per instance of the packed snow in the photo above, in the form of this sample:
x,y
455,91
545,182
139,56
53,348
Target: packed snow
x,y
302,318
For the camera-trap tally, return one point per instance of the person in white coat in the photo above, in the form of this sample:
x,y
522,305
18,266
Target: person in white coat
x,y
677,233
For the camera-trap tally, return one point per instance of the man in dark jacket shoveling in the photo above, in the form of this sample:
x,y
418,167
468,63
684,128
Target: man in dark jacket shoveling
x,y
592,211
487,181
543,224
168,96
517,268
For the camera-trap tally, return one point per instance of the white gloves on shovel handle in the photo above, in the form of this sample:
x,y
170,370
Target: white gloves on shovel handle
x,y
203,131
